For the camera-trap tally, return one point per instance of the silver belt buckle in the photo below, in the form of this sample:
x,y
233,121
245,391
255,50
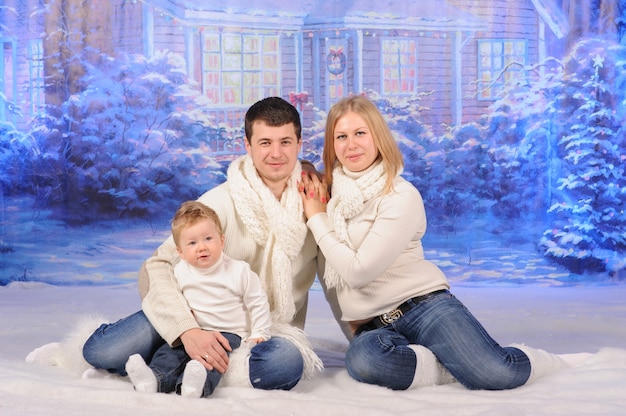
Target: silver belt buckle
x,y
390,317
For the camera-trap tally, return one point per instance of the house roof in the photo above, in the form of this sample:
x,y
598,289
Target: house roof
x,y
322,14
553,16
392,14
258,14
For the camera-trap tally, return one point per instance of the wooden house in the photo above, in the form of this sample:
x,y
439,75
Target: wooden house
x,y
457,52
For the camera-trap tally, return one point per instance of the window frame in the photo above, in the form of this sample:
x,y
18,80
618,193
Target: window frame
x,y
500,65
238,69
407,73
36,76
8,84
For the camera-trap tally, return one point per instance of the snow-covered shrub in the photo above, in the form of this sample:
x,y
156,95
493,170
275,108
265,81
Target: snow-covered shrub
x,y
134,141
16,151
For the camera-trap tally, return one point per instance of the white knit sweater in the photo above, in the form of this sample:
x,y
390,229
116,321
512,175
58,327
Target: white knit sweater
x,y
386,265
226,297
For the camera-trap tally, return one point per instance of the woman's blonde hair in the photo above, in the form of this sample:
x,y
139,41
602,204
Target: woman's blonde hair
x,y
388,149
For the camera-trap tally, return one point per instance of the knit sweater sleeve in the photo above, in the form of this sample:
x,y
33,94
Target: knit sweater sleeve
x,y
379,234
164,304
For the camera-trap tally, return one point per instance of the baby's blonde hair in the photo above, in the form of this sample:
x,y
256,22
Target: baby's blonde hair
x,y
188,214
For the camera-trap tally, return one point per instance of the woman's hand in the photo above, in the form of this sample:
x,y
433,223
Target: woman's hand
x,y
314,194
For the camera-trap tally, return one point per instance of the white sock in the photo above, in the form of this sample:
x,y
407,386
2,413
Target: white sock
x,y
428,369
141,375
542,363
193,379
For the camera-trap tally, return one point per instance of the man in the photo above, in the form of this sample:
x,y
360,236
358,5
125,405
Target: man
x,y
262,217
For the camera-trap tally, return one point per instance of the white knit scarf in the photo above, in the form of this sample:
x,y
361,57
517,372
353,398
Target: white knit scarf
x,y
266,218
350,190
279,227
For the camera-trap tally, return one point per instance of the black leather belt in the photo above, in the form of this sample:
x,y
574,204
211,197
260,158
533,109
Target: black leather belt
x,y
391,316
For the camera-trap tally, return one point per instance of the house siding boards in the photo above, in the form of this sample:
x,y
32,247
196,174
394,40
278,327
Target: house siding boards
x,y
168,34
435,74
127,27
371,63
288,61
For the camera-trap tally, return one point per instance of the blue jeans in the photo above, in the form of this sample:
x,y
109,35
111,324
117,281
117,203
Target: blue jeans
x,y
444,325
168,366
274,364
110,345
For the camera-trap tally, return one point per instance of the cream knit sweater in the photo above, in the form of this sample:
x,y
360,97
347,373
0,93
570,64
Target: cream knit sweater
x,y
386,265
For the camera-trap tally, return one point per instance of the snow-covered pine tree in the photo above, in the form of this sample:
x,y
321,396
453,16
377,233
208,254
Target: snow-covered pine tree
x,y
589,217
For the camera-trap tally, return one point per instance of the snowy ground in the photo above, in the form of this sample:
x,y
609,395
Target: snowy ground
x,y
566,320
518,296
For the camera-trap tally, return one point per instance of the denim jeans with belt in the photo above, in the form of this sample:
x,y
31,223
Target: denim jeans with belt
x,y
444,325
274,364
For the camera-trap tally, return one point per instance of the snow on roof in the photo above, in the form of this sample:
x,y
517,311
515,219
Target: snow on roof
x,y
322,14
392,14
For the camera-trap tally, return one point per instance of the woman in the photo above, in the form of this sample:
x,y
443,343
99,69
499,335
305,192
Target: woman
x,y
397,303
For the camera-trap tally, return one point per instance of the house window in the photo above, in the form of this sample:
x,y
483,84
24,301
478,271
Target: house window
x,y
7,80
240,69
498,61
399,71
37,99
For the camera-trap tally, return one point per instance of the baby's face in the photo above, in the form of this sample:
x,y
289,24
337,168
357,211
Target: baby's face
x,y
201,244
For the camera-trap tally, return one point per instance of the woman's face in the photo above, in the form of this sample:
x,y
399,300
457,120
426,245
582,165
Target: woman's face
x,y
354,143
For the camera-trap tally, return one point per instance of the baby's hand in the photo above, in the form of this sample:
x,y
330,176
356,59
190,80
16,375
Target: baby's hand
x,y
255,341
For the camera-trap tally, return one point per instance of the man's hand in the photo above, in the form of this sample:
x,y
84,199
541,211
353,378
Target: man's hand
x,y
208,347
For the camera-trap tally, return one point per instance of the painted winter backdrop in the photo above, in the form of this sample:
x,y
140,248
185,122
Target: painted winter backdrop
x,y
535,189
529,195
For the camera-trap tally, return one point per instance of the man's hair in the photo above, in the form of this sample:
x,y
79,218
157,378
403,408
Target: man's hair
x,y
188,214
273,111
388,149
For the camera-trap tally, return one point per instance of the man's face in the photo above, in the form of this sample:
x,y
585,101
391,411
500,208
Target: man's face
x,y
274,152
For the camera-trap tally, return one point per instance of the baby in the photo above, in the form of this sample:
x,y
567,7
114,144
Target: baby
x,y
224,295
